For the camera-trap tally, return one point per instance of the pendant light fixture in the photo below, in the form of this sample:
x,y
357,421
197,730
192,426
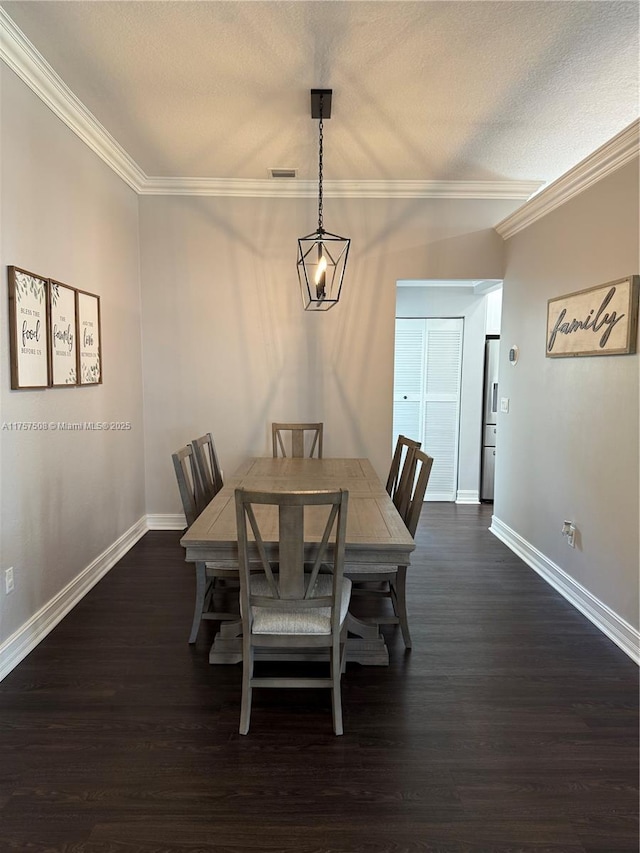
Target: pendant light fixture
x,y
322,256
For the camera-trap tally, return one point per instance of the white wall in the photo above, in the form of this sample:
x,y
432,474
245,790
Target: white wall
x,y
228,348
458,302
66,496
569,445
493,302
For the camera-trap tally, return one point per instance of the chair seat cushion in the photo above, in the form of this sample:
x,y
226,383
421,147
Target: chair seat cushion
x,y
271,620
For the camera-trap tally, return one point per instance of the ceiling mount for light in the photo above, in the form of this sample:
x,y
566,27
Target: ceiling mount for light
x,y
321,103
322,256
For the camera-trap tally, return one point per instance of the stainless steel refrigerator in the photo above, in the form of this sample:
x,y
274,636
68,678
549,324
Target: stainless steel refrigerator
x,y
490,417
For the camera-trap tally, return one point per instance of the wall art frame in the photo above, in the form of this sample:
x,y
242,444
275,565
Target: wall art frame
x,y
89,338
600,320
63,335
28,329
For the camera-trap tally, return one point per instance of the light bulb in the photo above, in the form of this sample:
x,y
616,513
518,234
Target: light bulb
x,y
322,268
321,274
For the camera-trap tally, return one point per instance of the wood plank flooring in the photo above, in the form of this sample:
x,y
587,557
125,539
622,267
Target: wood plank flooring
x,y
511,727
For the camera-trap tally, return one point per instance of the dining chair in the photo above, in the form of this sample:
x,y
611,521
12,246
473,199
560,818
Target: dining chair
x,y
209,481
394,579
187,476
210,577
297,439
399,479
285,601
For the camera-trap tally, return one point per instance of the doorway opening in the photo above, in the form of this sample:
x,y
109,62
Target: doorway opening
x,y
426,395
441,329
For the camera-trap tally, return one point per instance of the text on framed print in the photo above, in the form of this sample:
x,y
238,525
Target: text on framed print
x,y
62,334
89,351
28,329
601,320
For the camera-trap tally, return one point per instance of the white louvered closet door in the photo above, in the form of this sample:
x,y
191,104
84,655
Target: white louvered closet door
x,y
428,369
408,379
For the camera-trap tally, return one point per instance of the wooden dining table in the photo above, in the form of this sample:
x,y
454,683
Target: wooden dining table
x,y
376,535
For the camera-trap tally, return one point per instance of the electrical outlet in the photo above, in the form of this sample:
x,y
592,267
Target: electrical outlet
x,y
569,530
8,580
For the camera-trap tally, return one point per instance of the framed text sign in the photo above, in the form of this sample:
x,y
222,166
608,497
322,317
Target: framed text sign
x,y
28,329
601,320
89,349
63,358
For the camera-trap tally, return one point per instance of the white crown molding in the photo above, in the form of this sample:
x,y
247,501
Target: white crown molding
x,y
21,56
624,635
611,156
293,188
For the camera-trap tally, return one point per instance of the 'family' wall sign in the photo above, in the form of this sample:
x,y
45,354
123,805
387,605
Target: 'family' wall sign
x,y
601,320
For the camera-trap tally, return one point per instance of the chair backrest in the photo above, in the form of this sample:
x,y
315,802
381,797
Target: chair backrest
x,y
207,466
419,478
187,476
286,584
400,480
297,439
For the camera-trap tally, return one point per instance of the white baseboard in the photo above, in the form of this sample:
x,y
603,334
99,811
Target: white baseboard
x,y
173,521
625,636
26,638
467,496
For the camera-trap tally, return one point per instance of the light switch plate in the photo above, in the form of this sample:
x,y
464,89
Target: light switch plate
x,y
504,405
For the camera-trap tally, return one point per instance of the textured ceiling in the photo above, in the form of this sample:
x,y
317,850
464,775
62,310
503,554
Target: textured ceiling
x,y
422,90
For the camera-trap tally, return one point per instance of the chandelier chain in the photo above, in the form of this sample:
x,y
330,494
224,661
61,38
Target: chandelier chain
x,y
320,151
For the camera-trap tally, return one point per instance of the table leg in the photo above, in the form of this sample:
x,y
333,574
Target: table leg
x,y
366,646
227,644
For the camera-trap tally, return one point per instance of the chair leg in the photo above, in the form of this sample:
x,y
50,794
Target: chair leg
x,y
247,690
201,589
336,698
400,588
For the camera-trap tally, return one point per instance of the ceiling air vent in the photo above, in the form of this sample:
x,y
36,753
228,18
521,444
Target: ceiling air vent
x,y
282,173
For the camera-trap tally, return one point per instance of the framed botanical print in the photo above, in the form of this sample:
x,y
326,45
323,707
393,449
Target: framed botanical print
x,y
63,347
29,351
89,344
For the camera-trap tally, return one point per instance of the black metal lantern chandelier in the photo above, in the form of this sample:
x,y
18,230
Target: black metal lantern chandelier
x,y
322,256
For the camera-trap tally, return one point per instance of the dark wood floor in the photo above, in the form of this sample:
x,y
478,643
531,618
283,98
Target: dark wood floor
x,y
511,726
